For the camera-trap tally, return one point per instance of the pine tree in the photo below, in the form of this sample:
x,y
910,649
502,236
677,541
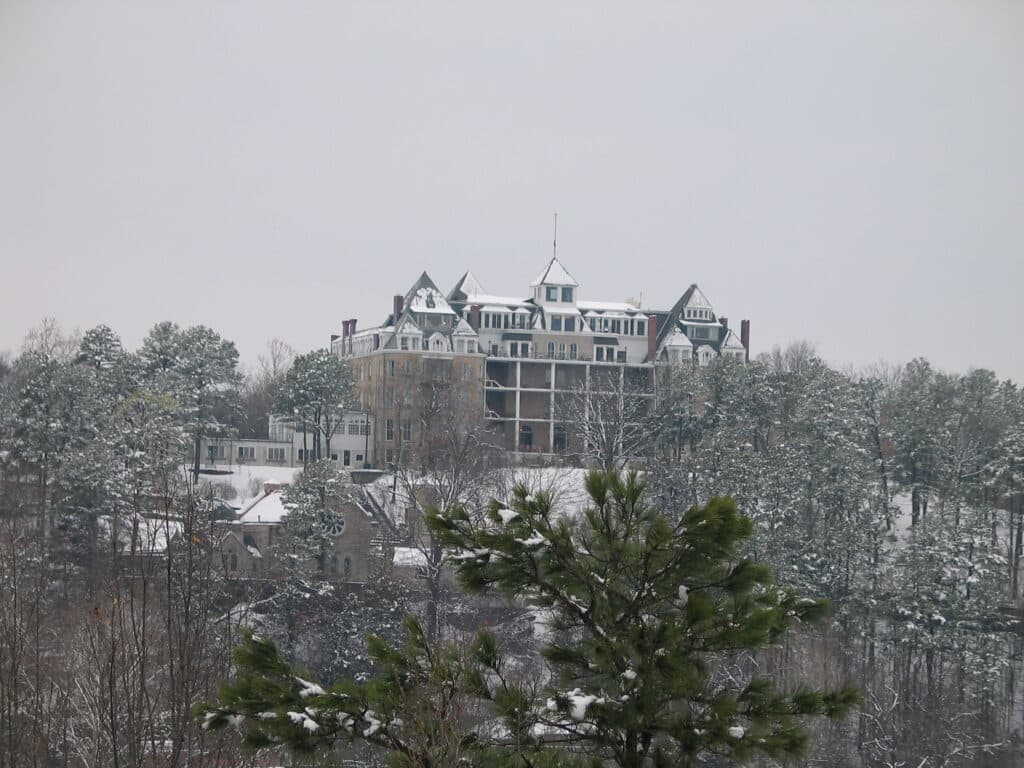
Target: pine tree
x,y
314,396
648,607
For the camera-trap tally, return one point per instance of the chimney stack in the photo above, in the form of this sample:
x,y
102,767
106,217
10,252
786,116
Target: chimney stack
x,y
745,336
397,309
725,322
652,337
474,317
351,333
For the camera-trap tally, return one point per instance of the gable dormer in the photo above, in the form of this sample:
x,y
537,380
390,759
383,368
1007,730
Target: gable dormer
x,y
697,307
555,285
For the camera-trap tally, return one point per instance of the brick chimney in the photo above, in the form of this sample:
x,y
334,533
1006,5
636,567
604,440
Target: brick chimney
x,y
652,337
397,308
745,336
351,333
474,317
725,322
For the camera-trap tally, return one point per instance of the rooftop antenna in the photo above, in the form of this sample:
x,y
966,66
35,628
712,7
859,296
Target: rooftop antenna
x,y
554,241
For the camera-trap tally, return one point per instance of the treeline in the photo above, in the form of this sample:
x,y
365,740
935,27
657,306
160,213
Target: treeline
x,y
110,582
896,494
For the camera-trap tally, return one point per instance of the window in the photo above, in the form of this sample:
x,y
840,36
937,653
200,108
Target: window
x,y
551,349
246,452
391,367
347,565
215,452
404,342
552,293
346,457
389,397
334,564
567,295
573,351
561,351
467,372
570,324
389,430
233,562
334,457
407,366
353,428
471,347
556,323
616,326
389,456
302,453
620,356
359,458
275,454
364,428
641,327
407,429
701,333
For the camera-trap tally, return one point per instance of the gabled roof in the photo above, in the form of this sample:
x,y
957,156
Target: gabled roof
x,y
467,286
408,325
697,299
462,328
669,323
268,508
732,341
424,297
678,339
554,274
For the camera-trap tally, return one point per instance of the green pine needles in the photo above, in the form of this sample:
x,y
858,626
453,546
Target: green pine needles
x,y
643,612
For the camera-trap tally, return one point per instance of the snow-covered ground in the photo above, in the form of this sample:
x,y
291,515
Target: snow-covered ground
x,y
247,480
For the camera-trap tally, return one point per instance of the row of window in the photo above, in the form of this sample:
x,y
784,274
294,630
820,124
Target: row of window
x,y
552,293
389,430
501,320
698,314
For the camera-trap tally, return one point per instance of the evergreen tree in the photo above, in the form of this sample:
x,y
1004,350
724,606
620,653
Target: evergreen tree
x,y
314,396
649,609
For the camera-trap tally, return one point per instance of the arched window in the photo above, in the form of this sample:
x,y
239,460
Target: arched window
x,y
551,349
233,562
334,563
348,566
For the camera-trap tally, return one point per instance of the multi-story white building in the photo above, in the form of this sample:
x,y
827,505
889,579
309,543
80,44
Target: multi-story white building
x,y
535,348
351,446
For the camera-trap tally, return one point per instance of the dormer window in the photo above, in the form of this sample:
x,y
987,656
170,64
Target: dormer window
x,y
551,293
567,295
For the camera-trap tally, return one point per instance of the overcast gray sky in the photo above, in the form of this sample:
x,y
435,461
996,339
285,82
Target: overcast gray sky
x,y
847,173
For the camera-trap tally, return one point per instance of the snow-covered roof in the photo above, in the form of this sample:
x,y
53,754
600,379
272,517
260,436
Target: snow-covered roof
x,y
555,274
608,306
469,285
732,341
492,303
408,325
410,557
678,339
268,508
698,300
462,328
152,535
425,298
430,301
